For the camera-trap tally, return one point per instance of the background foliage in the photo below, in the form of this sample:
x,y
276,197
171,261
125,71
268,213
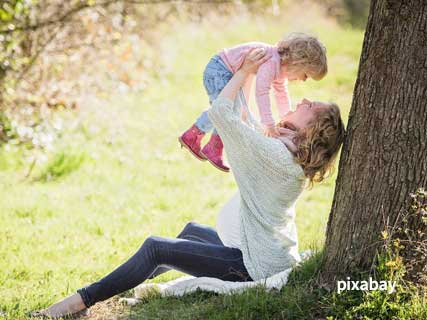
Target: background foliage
x,y
92,105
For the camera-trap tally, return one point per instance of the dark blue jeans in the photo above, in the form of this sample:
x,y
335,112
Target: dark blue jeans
x,y
197,251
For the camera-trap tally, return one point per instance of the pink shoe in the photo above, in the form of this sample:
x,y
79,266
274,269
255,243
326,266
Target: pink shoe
x,y
213,152
191,140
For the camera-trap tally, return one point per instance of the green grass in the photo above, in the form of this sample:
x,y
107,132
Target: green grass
x,y
120,176
295,301
63,163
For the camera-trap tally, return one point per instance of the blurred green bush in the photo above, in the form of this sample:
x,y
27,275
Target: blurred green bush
x,y
354,12
57,55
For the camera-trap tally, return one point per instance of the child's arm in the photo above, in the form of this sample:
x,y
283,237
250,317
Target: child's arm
x,y
283,99
264,79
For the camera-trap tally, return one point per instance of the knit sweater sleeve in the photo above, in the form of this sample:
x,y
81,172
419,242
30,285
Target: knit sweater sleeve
x,y
269,182
249,152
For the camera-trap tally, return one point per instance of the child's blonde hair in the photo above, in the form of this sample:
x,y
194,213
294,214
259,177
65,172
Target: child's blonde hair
x,y
299,50
318,144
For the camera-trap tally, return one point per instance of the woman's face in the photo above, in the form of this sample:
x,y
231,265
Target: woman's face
x,y
305,113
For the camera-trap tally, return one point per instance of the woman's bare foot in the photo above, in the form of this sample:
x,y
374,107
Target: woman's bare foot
x,y
69,306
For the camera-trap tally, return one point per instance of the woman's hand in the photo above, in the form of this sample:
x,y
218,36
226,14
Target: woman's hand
x,y
253,60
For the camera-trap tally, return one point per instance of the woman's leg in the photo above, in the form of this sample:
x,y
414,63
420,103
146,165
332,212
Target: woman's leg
x,y
195,258
201,233
196,232
192,231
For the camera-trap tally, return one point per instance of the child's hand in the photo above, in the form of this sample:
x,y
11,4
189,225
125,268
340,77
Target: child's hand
x,y
271,131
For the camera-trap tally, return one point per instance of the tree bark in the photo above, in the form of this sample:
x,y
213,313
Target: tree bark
x,y
384,156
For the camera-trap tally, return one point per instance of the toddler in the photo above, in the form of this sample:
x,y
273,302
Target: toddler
x,y
297,57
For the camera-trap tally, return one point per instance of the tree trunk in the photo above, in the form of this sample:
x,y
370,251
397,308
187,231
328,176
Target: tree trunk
x,y
384,157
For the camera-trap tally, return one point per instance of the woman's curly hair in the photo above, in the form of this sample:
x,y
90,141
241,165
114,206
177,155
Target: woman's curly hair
x,y
318,144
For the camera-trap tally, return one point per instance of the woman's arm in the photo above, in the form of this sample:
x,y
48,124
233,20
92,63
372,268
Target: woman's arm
x,y
247,87
246,148
247,92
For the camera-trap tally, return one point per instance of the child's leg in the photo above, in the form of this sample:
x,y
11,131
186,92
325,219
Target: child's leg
x,y
215,77
204,123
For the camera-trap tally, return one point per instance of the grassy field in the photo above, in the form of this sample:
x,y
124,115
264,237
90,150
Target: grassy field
x,y
118,176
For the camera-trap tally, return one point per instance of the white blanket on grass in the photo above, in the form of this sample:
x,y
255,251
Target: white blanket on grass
x,y
188,284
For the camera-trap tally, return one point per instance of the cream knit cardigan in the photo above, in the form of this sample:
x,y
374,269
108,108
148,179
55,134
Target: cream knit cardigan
x,y
269,181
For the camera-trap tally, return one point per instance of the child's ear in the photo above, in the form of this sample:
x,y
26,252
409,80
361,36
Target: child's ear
x,y
280,44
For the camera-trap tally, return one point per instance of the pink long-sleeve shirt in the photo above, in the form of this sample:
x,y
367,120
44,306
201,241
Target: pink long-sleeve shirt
x,y
268,75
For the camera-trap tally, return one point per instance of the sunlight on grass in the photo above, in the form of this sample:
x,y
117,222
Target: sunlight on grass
x,y
129,179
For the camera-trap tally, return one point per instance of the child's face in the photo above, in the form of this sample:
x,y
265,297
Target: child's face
x,y
299,74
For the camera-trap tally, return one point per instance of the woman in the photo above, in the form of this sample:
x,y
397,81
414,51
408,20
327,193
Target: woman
x,y
256,230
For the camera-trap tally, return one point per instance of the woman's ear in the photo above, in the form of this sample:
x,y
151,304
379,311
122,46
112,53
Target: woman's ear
x,y
288,125
295,141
